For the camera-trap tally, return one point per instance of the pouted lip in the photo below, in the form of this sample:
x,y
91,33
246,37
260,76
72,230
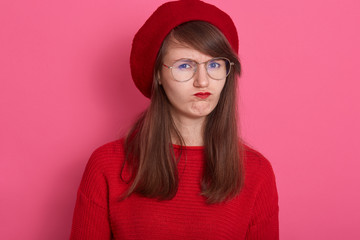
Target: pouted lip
x,y
202,95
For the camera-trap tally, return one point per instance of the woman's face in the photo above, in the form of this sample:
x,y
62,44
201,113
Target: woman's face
x,y
187,98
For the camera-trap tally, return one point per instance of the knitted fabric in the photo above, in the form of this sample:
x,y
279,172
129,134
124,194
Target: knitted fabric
x,y
99,214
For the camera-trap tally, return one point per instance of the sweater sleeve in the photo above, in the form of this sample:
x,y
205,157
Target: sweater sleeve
x,y
91,218
264,222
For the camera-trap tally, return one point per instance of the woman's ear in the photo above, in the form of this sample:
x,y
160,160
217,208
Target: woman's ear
x,y
158,78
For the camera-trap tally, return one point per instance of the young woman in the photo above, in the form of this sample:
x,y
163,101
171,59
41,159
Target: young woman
x,y
182,172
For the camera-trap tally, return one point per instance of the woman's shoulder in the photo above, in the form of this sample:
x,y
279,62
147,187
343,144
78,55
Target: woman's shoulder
x,y
110,148
260,188
104,163
106,157
256,165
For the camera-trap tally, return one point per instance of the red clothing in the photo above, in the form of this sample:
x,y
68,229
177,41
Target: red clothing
x,y
253,214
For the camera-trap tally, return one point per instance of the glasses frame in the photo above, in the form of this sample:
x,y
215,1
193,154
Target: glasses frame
x,y
197,64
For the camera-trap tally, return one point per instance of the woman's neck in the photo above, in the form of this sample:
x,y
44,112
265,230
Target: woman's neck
x,y
191,130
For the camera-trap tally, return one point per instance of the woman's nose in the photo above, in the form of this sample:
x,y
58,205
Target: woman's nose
x,y
201,78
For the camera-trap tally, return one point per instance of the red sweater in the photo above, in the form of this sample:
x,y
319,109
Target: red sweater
x,y
253,214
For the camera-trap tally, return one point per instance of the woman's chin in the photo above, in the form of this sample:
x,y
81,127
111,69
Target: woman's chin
x,y
201,109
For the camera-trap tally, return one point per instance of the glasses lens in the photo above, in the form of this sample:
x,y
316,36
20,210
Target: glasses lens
x,y
218,68
183,70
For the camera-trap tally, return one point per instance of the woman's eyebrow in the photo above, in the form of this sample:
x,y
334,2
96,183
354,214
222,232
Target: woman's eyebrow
x,y
183,59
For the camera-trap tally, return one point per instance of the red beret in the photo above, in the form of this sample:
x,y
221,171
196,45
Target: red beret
x,y
148,39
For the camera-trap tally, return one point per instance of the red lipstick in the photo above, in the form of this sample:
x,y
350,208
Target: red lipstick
x,y
202,95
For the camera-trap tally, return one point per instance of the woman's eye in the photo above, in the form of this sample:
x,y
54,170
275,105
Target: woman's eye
x,y
184,66
214,65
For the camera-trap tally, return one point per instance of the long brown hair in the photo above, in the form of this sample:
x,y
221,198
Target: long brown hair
x,y
148,145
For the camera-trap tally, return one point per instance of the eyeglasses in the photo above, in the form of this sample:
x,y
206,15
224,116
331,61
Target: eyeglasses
x,y
184,69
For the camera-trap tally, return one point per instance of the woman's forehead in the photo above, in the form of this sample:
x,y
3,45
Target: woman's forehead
x,y
176,50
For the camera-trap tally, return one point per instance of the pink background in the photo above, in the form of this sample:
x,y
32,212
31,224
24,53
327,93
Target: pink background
x,y
66,89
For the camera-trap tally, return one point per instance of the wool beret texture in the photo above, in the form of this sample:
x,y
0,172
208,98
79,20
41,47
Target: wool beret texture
x,y
148,39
